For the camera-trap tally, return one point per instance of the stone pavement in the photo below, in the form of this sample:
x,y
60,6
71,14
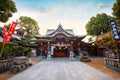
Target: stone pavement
x,y
61,69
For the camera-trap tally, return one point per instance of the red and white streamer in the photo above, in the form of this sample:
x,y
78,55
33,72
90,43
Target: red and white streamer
x,y
11,31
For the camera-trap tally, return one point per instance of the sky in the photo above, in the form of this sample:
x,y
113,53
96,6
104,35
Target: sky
x,y
71,14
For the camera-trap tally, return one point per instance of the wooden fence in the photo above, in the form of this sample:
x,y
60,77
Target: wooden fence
x,y
5,64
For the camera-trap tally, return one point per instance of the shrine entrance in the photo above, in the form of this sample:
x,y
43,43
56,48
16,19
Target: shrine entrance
x,y
61,50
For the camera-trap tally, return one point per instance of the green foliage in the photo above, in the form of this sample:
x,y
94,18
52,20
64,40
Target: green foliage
x,y
22,51
98,24
0,46
116,9
16,49
30,24
7,7
7,48
116,12
29,54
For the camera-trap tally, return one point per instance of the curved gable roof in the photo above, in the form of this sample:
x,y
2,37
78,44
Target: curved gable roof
x,y
60,30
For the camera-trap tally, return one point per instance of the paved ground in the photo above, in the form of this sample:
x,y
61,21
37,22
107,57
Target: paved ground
x,y
61,69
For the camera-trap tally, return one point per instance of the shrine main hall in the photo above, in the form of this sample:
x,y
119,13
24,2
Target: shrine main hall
x,y
61,41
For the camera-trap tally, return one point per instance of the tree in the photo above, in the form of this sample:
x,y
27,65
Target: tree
x,y
106,40
7,7
116,11
30,25
98,24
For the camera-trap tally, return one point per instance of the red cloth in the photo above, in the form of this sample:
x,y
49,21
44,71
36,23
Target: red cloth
x,y
10,32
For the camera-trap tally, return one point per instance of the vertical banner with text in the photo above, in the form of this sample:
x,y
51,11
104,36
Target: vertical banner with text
x,y
114,30
10,32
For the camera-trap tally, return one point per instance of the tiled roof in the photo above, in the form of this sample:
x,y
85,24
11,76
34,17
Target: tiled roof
x,y
59,30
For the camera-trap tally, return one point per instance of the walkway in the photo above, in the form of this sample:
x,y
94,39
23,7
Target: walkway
x,y
61,69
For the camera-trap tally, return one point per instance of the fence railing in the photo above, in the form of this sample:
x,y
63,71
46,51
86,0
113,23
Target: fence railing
x,y
5,64
112,63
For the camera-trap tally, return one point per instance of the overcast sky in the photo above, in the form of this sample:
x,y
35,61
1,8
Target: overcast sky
x,y
72,14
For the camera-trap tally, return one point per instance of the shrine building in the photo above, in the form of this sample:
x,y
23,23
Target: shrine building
x,y
61,40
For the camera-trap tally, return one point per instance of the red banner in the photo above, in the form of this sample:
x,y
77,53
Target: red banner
x,y
10,32
4,34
